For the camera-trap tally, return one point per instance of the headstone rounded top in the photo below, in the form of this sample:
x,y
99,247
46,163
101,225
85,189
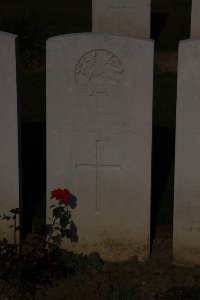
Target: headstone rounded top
x,y
98,35
7,34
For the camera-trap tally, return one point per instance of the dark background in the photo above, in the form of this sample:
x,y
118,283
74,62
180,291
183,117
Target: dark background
x,y
34,21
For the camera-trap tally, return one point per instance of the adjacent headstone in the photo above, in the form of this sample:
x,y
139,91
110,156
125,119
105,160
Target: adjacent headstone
x,y
130,17
186,247
99,132
9,175
195,19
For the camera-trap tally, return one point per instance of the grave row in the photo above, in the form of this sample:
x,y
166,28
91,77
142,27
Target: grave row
x,y
130,17
99,136
99,132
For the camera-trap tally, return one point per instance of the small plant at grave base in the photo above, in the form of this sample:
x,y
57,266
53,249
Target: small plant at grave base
x,y
37,261
41,260
4,245
62,225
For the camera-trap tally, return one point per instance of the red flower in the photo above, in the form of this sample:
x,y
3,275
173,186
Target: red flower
x,y
61,194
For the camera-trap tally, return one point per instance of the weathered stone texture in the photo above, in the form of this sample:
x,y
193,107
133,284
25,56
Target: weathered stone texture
x,y
99,132
186,245
9,165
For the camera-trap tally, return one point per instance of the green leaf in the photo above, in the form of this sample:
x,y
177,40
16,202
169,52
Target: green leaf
x,y
15,211
57,228
67,233
51,206
57,212
17,228
64,221
63,232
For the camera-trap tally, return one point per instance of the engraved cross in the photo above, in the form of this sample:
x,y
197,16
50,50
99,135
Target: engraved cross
x,y
121,5
98,166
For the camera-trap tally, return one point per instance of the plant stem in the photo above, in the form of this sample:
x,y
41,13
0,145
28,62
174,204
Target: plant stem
x,y
52,231
15,226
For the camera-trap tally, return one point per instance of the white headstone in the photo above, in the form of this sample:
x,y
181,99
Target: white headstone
x,y
186,248
9,177
130,17
99,131
195,19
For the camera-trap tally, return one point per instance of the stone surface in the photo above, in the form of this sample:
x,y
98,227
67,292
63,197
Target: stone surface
x,y
195,19
99,132
9,175
130,17
186,248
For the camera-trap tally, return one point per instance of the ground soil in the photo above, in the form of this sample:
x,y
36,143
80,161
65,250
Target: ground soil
x,y
149,280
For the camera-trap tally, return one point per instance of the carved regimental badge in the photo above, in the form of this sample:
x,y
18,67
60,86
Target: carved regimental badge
x,y
98,71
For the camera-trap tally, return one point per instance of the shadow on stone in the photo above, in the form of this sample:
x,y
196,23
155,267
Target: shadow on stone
x,y
33,140
158,22
162,163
